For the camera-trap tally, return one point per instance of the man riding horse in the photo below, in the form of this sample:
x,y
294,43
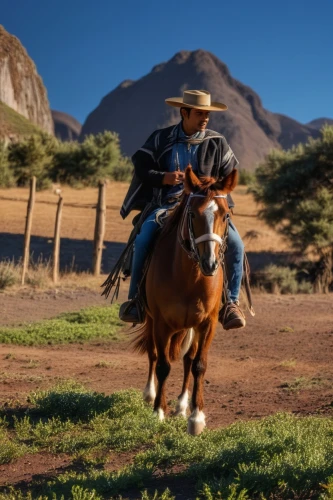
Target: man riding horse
x,y
159,173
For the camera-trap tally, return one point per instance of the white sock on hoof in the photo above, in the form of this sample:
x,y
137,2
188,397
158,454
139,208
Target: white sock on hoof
x,y
196,422
182,404
159,413
149,393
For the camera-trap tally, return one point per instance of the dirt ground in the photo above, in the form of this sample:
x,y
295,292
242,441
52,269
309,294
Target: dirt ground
x,y
281,361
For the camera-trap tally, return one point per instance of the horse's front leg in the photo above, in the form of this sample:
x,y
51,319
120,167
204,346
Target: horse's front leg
x,y
204,334
162,338
149,392
188,357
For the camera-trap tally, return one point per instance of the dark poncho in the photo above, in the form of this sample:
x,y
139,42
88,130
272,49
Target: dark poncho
x,y
215,158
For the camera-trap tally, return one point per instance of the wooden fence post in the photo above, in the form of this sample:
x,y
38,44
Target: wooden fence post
x,y
56,242
99,229
27,232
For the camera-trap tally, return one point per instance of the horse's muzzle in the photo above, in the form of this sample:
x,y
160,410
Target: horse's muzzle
x,y
209,266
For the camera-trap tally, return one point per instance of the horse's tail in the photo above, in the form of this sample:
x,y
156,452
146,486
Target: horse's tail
x,y
180,343
143,338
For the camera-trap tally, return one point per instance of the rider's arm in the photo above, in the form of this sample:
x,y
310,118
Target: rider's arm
x,y
228,161
147,169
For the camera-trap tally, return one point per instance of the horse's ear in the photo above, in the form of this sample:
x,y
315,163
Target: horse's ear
x,y
191,182
229,182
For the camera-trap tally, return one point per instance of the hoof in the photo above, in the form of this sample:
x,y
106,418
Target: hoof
x,y
159,414
149,394
148,398
196,423
179,413
182,405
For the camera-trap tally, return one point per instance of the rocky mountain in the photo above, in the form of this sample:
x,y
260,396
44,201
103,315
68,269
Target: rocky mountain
x,y
21,88
66,127
319,122
135,108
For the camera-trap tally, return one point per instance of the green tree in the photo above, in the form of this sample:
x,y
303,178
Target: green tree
x,y
6,175
89,162
32,156
295,189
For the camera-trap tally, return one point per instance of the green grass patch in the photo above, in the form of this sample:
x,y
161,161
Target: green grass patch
x,y
14,123
281,456
88,324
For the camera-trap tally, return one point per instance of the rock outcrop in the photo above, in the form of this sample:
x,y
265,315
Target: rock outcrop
x,y
135,108
21,88
66,127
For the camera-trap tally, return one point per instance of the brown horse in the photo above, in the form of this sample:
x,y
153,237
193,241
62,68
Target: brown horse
x,y
183,289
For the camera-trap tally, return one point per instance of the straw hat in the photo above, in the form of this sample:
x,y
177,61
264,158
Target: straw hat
x,y
198,99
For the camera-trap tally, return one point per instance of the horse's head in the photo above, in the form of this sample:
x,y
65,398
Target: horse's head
x,y
208,214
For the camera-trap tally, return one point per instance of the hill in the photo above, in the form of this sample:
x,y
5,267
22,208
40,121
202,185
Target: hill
x,y
319,122
66,127
135,108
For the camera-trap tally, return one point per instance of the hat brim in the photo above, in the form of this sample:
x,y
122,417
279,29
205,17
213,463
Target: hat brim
x,y
177,102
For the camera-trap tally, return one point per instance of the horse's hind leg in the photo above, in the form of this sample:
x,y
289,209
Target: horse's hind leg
x,y
182,403
204,333
149,392
162,339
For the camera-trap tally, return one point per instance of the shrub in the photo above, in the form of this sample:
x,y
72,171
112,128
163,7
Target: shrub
x,y
87,163
38,274
9,274
277,279
245,177
6,175
295,191
32,156
123,171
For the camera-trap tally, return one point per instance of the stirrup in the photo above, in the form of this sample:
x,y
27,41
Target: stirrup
x,y
132,312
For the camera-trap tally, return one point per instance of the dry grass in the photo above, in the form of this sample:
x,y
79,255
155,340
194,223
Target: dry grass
x,y
39,277
79,216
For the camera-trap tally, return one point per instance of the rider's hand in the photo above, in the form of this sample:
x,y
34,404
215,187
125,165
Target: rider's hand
x,y
173,178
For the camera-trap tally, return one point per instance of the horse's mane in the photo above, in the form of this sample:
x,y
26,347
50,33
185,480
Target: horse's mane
x,y
204,187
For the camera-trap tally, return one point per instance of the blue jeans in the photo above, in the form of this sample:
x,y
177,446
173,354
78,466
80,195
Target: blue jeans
x,y
234,256
142,244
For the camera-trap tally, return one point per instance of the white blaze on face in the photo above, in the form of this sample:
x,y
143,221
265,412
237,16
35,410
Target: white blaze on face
x,y
209,211
212,206
209,214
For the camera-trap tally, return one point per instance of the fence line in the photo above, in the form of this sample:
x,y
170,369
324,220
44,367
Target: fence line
x,y
73,205
98,239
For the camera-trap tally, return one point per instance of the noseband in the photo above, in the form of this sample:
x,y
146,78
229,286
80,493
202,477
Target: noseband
x,y
193,251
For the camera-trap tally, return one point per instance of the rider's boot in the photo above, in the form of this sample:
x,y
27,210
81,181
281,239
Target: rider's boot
x,y
129,313
231,316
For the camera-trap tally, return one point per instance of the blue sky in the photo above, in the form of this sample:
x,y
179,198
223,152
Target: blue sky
x,y
83,49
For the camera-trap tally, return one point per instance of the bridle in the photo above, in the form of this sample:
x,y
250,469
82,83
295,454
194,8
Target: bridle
x,y
192,250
